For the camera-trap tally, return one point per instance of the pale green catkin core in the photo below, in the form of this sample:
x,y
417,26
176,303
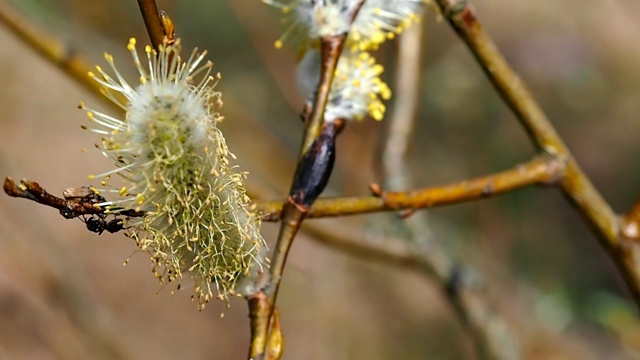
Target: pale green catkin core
x,y
199,220
174,162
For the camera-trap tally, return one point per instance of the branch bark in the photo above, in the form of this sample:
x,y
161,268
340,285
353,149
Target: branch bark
x,y
540,170
69,60
574,183
152,21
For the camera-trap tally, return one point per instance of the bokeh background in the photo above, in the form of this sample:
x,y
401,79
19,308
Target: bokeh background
x,y
64,293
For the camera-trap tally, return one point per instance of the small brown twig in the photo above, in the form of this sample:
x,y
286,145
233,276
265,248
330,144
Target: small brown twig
x,y
33,191
331,48
70,206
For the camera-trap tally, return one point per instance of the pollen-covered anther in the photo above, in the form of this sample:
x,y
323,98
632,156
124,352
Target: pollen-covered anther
x,y
356,90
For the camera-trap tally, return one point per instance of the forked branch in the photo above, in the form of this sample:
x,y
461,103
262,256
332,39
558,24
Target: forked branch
x,y
574,182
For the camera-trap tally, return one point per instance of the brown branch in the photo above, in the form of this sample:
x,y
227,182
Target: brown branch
x,y
33,191
484,326
70,205
275,343
575,184
540,170
259,309
64,57
152,21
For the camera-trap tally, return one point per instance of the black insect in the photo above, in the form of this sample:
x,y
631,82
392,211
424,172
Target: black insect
x,y
86,194
78,196
92,208
98,224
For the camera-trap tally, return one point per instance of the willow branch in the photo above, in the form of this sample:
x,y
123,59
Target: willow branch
x,y
466,298
31,190
331,49
152,21
489,332
575,184
314,168
492,339
64,57
540,170
417,247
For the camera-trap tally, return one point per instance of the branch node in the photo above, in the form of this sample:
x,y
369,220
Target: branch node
x,y
488,190
302,208
557,165
376,189
630,229
455,7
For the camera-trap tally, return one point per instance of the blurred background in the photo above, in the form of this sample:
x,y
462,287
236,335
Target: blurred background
x,y
64,293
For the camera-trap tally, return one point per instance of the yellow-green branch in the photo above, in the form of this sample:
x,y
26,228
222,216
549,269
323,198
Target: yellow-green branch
x,y
540,170
65,58
575,184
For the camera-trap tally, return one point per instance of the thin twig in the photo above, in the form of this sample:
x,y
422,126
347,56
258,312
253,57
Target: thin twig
x,y
417,245
540,170
331,49
152,21
575,184
402,121
259,310
67,59
33,191
70,205
295,211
